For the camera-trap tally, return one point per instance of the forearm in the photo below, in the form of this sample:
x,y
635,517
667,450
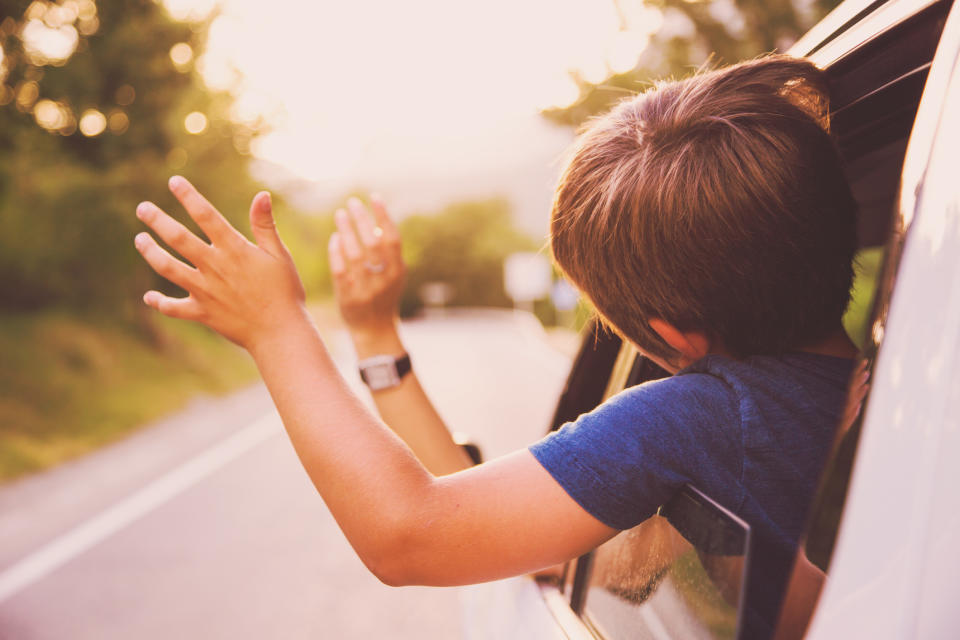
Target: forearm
x,y
406,525
408,411
371,482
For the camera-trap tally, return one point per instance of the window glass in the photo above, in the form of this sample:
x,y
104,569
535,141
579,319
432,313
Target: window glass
x,y
679,574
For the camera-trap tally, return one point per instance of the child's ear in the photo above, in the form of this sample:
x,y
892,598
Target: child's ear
x,y
692,345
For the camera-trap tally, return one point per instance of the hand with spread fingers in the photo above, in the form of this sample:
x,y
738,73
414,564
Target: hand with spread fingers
x,y
244,291
367,266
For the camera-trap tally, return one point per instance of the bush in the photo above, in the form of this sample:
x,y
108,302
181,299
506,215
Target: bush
x,y
464,246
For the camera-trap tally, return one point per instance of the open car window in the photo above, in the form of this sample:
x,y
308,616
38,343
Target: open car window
x,y
680,574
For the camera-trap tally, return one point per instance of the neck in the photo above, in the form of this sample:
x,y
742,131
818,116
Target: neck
x,y
836,344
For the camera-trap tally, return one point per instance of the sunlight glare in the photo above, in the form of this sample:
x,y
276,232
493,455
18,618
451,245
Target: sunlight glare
x,y
191,10
341,84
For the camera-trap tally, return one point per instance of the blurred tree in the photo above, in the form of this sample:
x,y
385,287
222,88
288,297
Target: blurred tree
x,y
463,246
99,104
692,33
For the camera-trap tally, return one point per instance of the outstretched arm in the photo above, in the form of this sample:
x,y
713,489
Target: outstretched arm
x,y
409,527
368,275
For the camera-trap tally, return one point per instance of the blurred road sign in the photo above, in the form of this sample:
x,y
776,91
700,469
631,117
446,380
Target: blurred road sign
x,y
526,276
436,294
564,296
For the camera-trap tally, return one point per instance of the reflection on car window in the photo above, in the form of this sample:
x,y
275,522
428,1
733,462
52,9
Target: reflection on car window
x,y
679,574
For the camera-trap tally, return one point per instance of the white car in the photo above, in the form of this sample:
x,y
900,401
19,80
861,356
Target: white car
x,y
880,558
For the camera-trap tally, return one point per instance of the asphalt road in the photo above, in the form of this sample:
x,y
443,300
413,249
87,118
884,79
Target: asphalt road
x,y
204,525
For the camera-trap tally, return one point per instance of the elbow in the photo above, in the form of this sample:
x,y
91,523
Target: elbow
x,y
393,555
392,565
389,575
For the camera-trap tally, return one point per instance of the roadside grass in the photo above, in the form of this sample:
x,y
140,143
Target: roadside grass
x,y
70,383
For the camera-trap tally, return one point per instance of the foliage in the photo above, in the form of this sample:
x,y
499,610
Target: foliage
x,y
71,382
695,33
69,186
464,246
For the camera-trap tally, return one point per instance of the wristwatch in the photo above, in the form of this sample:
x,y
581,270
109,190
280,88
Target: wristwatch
x,y
384,372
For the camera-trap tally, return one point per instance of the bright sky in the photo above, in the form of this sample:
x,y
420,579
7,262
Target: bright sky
x,y
355,88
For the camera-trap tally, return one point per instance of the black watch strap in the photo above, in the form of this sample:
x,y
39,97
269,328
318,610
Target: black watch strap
x,y
403,365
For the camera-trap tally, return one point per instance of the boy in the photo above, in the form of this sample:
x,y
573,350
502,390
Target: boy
x,y
710,224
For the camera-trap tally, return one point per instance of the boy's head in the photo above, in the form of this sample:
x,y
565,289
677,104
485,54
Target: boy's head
x,y
717,204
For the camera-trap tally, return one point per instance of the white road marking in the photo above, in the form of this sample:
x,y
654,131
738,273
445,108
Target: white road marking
x,y
76,541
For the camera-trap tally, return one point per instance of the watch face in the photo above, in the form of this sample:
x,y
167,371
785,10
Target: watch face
x,y
381,375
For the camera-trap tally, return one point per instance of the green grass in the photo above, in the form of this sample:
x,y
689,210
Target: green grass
x,y
69,383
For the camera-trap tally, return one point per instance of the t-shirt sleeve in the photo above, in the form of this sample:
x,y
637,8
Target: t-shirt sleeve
x,y
623,460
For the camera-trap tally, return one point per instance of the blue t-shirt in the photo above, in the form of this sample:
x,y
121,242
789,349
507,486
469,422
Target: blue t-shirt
x,y
753,434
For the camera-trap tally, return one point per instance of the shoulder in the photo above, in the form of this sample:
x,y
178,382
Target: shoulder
x,y
627,457
688,398
794,383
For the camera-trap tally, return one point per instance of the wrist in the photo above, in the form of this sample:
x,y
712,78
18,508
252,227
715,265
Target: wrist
x,y
377,340
293,326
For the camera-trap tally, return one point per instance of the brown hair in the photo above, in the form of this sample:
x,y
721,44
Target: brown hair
x,y
717,203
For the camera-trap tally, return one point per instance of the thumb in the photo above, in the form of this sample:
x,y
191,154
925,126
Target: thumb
x,y
263,226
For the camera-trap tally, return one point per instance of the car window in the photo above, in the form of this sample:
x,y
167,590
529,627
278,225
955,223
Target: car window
x,y
679,574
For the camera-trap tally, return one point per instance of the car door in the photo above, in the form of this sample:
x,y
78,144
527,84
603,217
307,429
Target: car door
x,y
892,572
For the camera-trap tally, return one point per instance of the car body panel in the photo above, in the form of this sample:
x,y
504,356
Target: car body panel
x,y
894,573
882,17
516,608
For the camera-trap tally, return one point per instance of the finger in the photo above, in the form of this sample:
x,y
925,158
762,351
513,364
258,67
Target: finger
x,y
348,239
183,308
264,226
181,239
363,222
338,264
384,221
164,264
211,221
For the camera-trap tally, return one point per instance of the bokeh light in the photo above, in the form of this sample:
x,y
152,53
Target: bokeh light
x,y
177,158
51,115
49,45
52,30
125,95
92,123
195,123
181,54
27,94
118,121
